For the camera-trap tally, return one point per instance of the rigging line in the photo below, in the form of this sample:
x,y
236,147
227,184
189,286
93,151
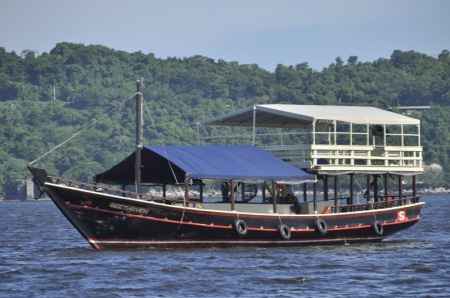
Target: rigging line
x,y
94,121
181,220
170,166
149,115
184,195
173,172
279,219
121,103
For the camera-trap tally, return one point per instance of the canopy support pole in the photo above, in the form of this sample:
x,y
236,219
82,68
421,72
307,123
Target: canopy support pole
x,y
274,196
350,202
414,190
368,188
201,191
325,188
139,135
254,126
400,187
315,197
305,195
336,192
232,198
375,188
386,188
264,191
164,190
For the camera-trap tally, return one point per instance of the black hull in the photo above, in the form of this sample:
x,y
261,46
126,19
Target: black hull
x,y
110,221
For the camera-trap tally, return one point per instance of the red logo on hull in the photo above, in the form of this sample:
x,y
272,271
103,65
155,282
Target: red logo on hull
x,y
401,216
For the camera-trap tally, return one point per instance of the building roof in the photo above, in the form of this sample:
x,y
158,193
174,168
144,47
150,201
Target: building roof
x,y
172,164
289,115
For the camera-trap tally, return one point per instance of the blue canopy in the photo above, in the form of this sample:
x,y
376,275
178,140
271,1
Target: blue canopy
x,y
172,164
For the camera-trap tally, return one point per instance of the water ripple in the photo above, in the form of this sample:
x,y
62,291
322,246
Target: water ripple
x,y
42,255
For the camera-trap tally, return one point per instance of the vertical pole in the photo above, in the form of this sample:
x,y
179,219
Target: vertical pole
x,y
335,132
329,135
315,197
386,161
254,126
402,139
367,134
54,93
164,190
29,188
305,194
201,191
386,188
414,190
312,152
274,196
139,134
242,191
199,140
400,187
351,190
368,188
325,188
186,191
314,132
351,134
375,188
418,135
264,191
336,192
232,199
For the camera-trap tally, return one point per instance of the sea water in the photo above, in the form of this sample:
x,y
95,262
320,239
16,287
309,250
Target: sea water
x,y
42,255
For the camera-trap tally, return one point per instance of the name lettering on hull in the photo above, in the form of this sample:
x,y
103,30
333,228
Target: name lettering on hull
x,y
129,209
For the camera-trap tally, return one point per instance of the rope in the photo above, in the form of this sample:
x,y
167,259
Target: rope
x,y
149,116
181,220
78,132
279,218
64,142
184,195
173,172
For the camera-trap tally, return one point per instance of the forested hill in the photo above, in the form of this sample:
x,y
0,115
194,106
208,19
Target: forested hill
x,y
95,82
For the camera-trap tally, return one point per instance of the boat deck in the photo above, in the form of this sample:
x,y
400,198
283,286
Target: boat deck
x,y
322,207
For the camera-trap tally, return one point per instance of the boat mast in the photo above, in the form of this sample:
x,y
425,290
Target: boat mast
x,y
139,133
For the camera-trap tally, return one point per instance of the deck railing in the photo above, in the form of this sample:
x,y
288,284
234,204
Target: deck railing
x,y
384,202
299,148
100,188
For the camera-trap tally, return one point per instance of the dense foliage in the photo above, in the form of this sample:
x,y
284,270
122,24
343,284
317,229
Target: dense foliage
x,y
96,82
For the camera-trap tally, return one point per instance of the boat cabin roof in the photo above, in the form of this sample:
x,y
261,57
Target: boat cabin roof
x,y
292,116
173,164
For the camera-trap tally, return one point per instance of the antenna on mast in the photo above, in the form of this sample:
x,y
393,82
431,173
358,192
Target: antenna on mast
x,y
53,92
139,134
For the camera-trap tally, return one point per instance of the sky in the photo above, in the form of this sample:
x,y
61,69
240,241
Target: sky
x,y
260,32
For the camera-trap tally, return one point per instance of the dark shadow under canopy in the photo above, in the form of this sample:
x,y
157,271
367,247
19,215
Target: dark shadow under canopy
x,y
171,164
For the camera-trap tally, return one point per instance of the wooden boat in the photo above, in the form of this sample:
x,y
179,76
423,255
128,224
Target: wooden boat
x,y
112,217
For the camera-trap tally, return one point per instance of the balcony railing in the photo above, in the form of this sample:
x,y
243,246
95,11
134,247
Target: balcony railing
x,y
385,202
